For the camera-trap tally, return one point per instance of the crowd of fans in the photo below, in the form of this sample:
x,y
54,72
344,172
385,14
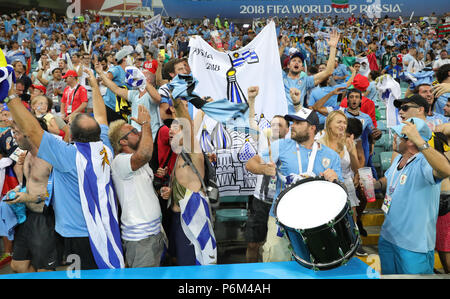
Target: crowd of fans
x,y
70,74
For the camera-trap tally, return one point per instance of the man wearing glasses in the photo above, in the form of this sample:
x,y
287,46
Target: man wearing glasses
x,y
412,185
141,213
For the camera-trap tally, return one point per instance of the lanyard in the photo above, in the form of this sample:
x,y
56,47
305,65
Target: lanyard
x,y
392,185
73,95
312,157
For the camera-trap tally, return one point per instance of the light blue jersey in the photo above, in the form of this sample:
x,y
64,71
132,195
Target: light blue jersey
x,y
411,220
152,107
284,155
303,84
69,219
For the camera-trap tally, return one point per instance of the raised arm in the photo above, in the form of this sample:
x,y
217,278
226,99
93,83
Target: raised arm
x,y
295,96
252,92
121,92
439,163
27,123
318,106
159,80
332,43
144,151
156,97
97,100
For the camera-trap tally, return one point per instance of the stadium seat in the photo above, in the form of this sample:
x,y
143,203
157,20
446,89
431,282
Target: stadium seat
x,y
229,225
385,160
381,124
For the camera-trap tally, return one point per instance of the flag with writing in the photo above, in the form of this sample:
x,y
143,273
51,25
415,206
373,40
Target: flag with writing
x,y
154,28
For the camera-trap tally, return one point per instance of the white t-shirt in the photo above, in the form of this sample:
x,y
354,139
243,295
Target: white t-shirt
x,y
440,62
141,212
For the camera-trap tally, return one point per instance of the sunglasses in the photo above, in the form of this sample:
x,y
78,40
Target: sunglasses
x,y
134,131
406,107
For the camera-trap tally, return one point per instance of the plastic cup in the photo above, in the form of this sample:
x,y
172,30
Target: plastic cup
x,y
365,175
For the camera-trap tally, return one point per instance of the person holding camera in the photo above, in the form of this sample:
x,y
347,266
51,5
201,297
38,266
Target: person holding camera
x,y
141,214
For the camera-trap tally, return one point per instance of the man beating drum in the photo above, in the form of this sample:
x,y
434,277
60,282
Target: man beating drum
x,y
290,158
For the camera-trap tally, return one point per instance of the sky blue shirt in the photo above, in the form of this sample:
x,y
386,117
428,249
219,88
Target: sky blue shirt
x,y
284,155
440,103
411,220
152,107
319,92
372,95
119,79
69,219
437,119
340,71
303,84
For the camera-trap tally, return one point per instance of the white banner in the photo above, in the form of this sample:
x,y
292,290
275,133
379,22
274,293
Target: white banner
x,y
229,75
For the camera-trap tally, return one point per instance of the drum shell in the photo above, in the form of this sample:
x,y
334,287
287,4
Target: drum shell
x,y
326,246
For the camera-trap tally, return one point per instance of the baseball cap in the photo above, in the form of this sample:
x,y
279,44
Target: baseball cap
x,y
121,54
297,54
416,99
421,125
70,73
40,87
360,82
304,114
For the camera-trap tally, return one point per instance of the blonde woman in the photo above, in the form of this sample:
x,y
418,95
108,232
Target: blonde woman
x,y
335,136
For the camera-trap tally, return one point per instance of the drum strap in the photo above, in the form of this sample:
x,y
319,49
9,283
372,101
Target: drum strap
x,y
293,177
312,158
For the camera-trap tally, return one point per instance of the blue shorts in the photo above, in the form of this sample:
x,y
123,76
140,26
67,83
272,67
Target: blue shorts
x,y
396,260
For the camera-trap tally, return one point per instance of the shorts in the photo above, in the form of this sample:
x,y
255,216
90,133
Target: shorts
x,y
275,249
35,240
396,260
443,233
144,253
179,245
78,249
256,228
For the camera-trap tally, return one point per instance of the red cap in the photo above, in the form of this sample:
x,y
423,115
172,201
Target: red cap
x,y
70,73
361,82
40,87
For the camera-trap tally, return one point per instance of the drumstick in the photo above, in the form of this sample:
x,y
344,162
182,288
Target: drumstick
x,y
268,133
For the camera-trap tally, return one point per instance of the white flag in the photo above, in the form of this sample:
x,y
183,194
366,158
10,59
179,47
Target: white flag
x,y
228,75
154,28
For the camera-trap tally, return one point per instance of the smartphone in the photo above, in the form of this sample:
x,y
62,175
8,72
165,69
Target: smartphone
x,y
162,50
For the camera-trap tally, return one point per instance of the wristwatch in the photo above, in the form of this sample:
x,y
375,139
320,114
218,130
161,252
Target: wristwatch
x,y
423,146
9,98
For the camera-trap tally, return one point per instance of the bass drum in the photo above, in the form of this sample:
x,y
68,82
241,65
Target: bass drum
x,y
315,215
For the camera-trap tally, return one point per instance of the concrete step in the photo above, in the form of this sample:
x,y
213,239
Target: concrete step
x,y
373,217
376,204
373,233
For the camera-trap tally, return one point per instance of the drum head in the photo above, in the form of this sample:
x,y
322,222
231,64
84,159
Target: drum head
x,y
310,204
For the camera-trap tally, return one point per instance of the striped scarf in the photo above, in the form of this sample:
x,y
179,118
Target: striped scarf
x,y
98,203
196,224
